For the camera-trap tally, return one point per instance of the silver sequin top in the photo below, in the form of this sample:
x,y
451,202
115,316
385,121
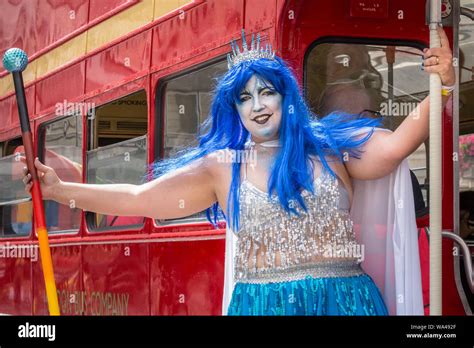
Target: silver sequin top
x,y
273,246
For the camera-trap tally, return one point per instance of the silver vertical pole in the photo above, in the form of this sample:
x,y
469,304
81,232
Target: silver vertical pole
x,y
435,170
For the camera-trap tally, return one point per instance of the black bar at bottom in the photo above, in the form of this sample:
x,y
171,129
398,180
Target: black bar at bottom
x,y
449,331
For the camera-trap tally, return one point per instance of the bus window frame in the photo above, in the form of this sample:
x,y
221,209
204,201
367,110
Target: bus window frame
x,y
41,131
159,135
89,216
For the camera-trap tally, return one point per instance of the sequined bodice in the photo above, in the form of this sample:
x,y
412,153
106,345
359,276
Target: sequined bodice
x,y
273,246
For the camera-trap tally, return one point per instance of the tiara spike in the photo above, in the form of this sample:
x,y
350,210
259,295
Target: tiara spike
x,y
240,55
244,42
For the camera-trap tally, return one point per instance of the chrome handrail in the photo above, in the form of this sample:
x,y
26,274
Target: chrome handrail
x,y
466,253
467,256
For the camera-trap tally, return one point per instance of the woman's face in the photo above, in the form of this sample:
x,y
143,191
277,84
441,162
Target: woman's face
x,y
260,109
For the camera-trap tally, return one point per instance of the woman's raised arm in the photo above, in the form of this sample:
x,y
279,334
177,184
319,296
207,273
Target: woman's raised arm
x,y
385,150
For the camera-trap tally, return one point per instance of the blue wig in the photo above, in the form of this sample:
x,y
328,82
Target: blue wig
x,y
302,135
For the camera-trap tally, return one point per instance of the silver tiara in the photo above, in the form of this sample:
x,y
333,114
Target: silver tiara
x,y
256,52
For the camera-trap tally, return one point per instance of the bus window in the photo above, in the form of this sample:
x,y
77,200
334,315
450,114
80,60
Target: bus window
x,y
62,150
15,203
374,81
118,153
187,101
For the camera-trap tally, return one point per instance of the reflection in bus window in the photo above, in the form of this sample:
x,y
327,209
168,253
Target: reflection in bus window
x,y
187,100
373,81
118,153
15,203
63,152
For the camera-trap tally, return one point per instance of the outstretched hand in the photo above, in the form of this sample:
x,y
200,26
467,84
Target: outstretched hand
x,y
48,178
440,60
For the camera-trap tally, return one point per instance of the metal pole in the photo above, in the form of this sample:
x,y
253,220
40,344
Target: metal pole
x,y
435,170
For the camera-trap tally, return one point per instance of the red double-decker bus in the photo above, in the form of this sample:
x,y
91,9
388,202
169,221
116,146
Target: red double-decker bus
x,y
113,85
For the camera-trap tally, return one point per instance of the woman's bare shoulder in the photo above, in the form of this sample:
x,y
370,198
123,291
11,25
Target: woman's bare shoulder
x,y
219,162
219,165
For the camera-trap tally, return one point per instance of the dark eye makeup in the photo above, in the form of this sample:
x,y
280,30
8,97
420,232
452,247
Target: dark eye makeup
x,y
245,95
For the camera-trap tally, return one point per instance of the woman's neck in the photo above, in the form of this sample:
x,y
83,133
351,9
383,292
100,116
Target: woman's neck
x,y
265,144
265,149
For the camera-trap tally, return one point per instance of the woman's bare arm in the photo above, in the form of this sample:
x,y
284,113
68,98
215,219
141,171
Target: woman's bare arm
x,y
177,194
181,193
385,150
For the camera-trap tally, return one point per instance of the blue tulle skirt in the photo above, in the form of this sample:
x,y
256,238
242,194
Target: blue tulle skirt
x,y
355,295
